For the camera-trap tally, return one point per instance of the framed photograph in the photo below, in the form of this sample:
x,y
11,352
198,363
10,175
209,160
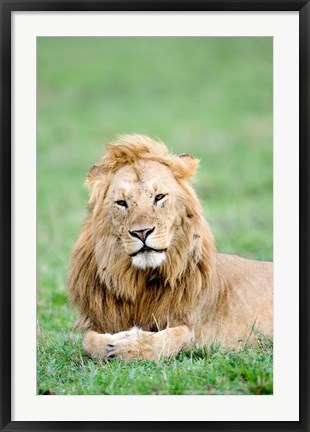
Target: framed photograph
x,y
105,321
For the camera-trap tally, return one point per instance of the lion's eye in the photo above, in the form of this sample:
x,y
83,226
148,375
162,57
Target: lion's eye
x,y
159,197
121,203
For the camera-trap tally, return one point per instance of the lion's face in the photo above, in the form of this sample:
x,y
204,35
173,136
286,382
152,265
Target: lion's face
x,y
143,202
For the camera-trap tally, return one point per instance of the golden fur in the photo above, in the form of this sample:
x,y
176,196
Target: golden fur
x,y
144,273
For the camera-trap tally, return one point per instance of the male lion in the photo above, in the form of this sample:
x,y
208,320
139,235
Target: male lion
x,y
145,275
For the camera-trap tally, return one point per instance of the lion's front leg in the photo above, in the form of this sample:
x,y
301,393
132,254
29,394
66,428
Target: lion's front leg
x,y
150,346
96,344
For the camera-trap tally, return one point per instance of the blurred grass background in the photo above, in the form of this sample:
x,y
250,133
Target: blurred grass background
x,y
211,97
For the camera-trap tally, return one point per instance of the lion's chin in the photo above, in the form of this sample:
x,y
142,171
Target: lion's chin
x,y
149,259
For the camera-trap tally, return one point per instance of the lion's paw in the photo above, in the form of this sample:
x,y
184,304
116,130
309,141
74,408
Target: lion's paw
x,y
94,344
130,349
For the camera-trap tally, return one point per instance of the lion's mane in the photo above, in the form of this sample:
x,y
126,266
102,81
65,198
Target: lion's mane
x,y
110,294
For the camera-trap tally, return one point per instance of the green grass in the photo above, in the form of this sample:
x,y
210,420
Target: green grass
x,y
64,369
211,97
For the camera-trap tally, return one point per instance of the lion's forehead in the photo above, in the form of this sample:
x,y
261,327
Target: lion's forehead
x,y
149,177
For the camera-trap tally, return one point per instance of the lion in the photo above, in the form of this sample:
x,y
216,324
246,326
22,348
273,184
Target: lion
x,y
145,274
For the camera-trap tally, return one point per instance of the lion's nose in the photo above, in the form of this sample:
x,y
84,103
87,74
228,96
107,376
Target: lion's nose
x,y
142,234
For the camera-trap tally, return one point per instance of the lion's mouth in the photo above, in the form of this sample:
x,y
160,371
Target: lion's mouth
x,y
145,249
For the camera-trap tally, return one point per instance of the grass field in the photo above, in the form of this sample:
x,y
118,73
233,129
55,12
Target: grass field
x,y
211,97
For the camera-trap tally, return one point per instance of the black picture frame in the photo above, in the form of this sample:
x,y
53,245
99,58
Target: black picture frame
x,y
7,7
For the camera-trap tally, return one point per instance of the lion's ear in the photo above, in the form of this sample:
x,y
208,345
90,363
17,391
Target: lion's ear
x,y
185,166
98,173
92,175
186,155
98,182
